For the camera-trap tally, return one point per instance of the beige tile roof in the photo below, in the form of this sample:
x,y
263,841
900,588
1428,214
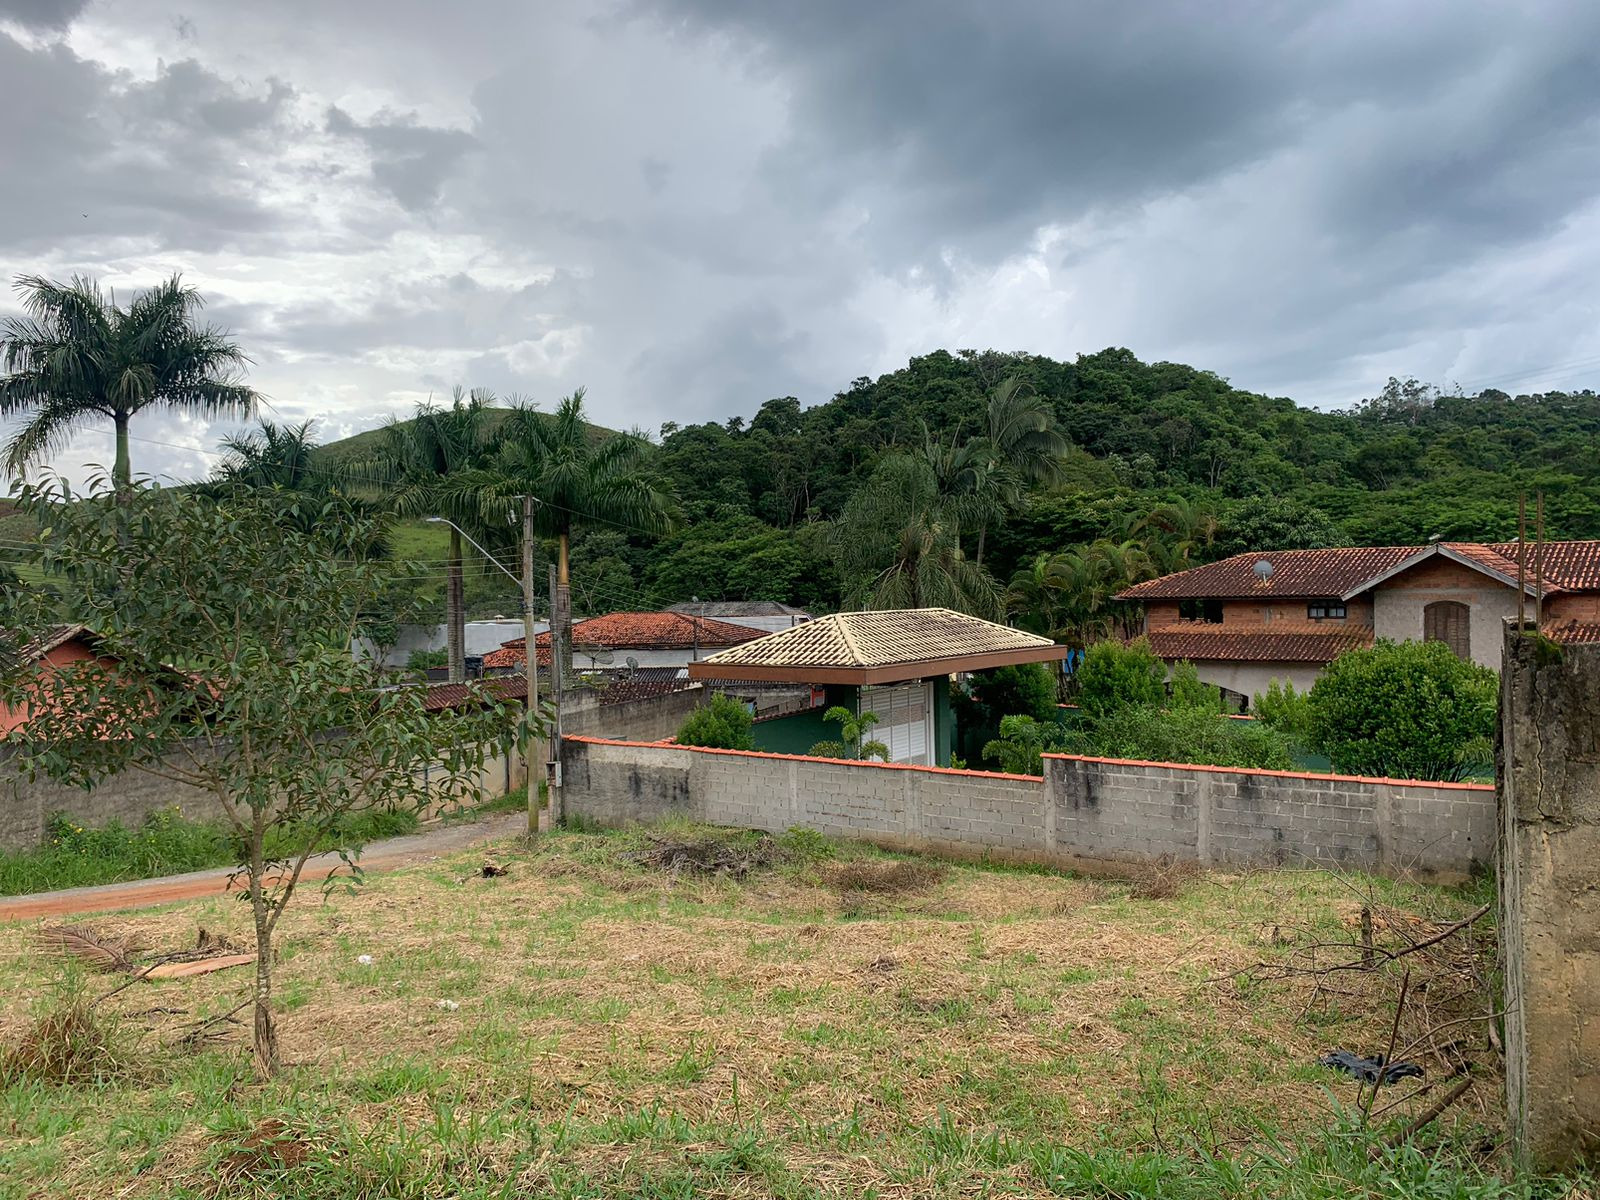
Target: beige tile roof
x,y
873,647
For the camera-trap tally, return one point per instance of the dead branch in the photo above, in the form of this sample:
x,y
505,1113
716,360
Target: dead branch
x,y
1427,1115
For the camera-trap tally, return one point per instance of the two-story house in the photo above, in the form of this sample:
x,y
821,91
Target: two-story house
x,y
1285,614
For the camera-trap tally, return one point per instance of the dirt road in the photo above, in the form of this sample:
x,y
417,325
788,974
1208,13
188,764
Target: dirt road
x,y
142,893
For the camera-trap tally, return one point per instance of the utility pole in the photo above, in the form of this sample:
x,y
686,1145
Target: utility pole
x,y
530,745
558,683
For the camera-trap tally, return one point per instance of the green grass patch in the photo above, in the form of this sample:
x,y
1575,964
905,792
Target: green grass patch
x,y
165,843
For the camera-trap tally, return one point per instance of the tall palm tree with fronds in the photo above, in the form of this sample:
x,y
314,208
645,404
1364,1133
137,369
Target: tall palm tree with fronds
x,y
1020,447
77,358
419,464
898,544
578,478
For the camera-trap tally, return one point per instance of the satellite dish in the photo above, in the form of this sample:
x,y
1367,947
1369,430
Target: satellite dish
x,y
1263,570
632,665
600,656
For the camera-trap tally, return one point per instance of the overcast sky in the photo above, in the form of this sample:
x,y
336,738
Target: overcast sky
x,y
691,206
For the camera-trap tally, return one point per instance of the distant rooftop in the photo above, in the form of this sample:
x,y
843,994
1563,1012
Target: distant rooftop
x,y
737,608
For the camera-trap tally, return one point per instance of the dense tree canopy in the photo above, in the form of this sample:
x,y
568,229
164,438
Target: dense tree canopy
x,y
1167,466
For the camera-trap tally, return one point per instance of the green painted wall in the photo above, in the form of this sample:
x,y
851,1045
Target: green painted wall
x,y
944,721
794,734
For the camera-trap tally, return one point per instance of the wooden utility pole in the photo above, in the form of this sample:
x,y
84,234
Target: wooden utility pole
x,y
530,745
558,683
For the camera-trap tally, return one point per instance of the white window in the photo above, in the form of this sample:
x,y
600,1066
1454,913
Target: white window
x,y
904,723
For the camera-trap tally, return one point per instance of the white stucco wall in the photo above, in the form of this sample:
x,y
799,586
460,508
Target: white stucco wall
x,y
1397,615
1251,678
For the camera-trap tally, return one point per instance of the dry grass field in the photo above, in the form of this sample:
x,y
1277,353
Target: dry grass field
x,y
602,1019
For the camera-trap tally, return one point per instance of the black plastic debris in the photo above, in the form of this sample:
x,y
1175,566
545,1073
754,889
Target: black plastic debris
x,y
1366,1069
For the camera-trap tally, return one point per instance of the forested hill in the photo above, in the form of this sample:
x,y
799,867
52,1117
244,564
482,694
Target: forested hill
x,y
1398,468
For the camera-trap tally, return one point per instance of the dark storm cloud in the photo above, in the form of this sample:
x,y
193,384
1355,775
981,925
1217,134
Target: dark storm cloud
x,y
409,159
969,126
108,156
42,15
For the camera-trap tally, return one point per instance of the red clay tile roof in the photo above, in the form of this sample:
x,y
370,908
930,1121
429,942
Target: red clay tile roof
x,y
512,655
645,683
1573,633
1295,573
1281,641
637,631
452,695
1568,566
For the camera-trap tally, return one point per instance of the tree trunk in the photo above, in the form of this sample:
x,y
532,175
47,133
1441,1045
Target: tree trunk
x,y
455,613
266,1032
562,616
122,468
983,532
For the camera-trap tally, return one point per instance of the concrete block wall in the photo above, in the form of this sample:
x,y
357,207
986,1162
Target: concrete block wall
x,y
26,806
647,720
1221,816
129,797
1081,812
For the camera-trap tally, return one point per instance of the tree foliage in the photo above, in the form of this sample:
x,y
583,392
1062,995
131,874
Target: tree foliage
x,y
1404,710
78,357
1115,676
724,724
224,630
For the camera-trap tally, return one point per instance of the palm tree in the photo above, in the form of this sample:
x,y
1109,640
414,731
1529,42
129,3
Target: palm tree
x,y
1020,447
271,455
898,544
577,478
420,464
1179,533
77,358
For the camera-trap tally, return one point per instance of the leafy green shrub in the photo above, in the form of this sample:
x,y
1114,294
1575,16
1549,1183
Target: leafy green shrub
x,y
1188,691
853,741
423,660
1114,676
724,724
1404,710
1282,708
1026,689
1183,735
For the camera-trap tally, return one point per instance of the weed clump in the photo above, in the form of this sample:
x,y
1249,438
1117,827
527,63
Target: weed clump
x,y
884,878
731,858
1163,879
67,1043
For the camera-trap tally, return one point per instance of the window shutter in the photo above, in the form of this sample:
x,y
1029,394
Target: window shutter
x,y
1450,622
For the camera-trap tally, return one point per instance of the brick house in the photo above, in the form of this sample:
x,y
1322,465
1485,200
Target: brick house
x,y
1285,614
60,646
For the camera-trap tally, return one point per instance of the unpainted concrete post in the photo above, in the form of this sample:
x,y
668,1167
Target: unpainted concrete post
x,y
1548,783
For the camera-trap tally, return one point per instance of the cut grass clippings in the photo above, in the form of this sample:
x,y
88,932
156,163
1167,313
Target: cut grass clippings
x,y
591,1024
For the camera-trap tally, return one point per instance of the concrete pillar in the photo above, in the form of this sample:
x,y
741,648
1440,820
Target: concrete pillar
x,y
1548,775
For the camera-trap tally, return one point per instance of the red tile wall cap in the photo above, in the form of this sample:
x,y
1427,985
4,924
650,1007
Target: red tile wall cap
x,y
1172,766
847,762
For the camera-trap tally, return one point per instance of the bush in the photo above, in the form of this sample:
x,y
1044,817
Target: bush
x,y
1404,710
1282,708
724,724
1189,692
1184,735
423,660
1114,676
1027,689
